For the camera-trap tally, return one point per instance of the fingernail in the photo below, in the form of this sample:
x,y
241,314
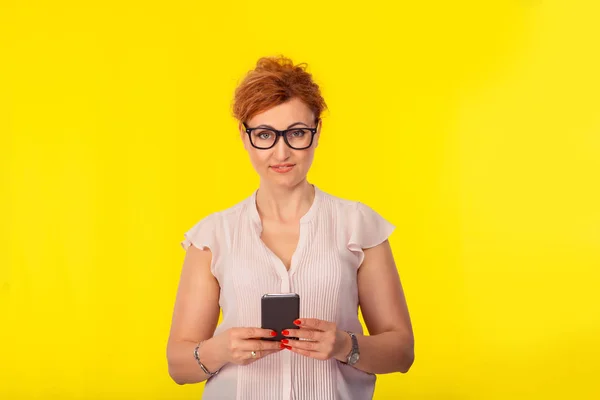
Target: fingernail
x,y
297,322
285,332
285,341
281,346
288,347
273,333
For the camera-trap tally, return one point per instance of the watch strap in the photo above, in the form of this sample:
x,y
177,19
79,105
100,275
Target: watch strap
x,y
354,348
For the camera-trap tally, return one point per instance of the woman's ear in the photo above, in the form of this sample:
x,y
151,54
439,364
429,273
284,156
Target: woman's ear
x,y
243,134
241,130
318,134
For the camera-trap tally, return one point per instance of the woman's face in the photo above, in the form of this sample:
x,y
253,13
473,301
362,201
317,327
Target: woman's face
x,y
281,165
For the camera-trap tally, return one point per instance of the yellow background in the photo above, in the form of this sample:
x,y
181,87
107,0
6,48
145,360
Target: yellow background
x,y
473,126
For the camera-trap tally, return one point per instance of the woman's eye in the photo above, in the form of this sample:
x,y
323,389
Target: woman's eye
x,y
264,135
298,133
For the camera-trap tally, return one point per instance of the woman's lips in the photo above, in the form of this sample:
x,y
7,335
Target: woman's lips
x,y
282,169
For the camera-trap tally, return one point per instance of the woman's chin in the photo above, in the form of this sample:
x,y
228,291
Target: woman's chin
x,y
284,180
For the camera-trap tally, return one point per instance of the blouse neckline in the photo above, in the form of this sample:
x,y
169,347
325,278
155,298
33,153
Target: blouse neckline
x,y
304,219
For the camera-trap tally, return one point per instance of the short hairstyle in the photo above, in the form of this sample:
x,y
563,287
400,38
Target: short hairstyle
x,y
274,81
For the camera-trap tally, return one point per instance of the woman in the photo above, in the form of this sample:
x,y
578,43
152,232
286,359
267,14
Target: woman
x,y
288,237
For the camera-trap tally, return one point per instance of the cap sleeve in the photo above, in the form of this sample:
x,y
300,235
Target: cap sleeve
x,y
367,229
203,235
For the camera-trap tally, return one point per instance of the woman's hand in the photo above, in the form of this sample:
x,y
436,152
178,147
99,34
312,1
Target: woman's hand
x,y
323,340
236,345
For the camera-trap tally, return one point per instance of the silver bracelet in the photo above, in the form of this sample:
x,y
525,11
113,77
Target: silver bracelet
x,y
197,357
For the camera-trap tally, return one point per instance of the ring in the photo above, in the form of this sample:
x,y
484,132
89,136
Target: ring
x,y
253,354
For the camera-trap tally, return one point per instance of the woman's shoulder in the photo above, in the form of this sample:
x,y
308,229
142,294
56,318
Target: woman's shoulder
x,y
364,226
345,204
355,212
233,212
213,226
227,214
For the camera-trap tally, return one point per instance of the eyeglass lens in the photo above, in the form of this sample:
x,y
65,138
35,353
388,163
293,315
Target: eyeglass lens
x,y
297,138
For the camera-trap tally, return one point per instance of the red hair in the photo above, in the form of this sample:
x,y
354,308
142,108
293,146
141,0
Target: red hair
x,y
273,81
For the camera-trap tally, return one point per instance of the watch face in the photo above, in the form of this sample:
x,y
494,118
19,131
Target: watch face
x,y
354,358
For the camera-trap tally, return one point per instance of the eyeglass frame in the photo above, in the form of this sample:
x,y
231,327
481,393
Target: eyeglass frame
x,y
313,131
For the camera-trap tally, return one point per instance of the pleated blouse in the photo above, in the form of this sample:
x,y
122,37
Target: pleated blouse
x,y
323,271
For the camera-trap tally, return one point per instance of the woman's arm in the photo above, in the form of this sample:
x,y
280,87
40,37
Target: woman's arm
x,y
390,346
195,318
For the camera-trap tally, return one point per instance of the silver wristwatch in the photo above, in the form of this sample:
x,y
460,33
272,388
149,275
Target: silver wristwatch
x,y
354,355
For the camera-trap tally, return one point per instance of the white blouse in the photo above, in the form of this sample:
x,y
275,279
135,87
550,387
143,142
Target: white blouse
x,y
323,272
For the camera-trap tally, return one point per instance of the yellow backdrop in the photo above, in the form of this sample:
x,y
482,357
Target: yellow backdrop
x,y
473,126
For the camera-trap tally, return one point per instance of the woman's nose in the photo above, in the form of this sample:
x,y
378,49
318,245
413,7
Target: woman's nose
x,y
282,150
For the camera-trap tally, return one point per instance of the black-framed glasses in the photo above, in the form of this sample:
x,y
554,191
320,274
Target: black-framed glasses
x,y
299,138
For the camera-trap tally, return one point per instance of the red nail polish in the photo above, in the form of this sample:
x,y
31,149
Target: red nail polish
x,y
297,322
273,333
288,347
285,332
281,346
285,341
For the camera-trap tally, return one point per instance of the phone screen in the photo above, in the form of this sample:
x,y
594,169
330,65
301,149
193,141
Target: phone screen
x,y
278,312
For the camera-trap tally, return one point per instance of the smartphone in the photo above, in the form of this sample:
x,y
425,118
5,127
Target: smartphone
x,y
278,312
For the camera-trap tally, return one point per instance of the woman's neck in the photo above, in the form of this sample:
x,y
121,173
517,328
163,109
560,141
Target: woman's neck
x,y
284,204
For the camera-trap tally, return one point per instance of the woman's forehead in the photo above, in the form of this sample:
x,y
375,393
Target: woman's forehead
x,y
283,115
